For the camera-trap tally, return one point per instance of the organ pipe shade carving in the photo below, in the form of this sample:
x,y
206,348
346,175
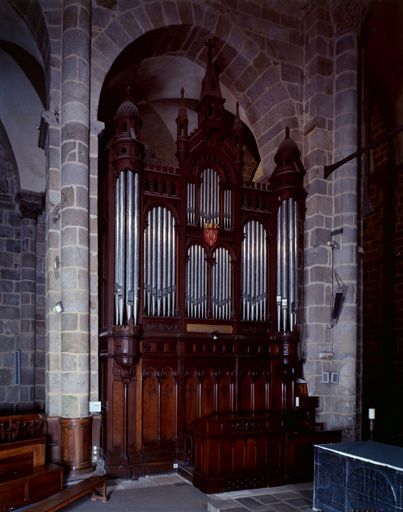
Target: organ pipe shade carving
x,y
209,197
191,203
221,285
287,265
127,247
227,209
254,272
196,282
160,263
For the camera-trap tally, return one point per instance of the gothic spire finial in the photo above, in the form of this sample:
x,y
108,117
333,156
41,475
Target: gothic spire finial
x,y
210,84
237,127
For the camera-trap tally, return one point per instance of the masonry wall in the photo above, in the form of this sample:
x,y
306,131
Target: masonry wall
x,y
22,309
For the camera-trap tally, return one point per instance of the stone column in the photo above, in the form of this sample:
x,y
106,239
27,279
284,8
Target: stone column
x,y
31,205
318,135
74,240
331,217
345,334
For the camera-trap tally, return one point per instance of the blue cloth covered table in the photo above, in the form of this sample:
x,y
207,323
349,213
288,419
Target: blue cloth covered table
x,y
358,476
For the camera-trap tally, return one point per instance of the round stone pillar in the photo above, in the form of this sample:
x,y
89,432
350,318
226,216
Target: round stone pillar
x,y
74,238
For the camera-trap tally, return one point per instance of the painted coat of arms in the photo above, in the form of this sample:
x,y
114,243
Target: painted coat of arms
x,y
210,233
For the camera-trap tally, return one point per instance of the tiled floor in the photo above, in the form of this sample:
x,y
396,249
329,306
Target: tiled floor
x,y
287,498
172,493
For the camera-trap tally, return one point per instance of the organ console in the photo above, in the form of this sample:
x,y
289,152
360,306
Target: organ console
x,y
199,300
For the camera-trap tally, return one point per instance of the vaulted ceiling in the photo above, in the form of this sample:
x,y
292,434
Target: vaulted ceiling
x,y
22,98
156,81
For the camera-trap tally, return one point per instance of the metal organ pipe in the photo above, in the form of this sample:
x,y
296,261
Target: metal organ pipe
x,y
221,285
295,254
191,203
118,255
254,272
127,247
291,281
209,197
228,209
136,255
160,261
196,282
287,265
279,268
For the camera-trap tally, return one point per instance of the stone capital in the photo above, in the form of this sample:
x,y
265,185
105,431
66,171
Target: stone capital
x,y
31,204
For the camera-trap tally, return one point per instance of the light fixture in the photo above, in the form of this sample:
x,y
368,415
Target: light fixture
x,y
214,336
58,307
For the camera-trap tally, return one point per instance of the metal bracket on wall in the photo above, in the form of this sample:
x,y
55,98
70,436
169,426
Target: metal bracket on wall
x,y
328,169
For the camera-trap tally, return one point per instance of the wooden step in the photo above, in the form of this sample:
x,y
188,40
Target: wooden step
x,y
72,493
23,489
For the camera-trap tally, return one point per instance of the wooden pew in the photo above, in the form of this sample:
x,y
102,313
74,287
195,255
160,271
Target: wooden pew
x,y
72,493
24,475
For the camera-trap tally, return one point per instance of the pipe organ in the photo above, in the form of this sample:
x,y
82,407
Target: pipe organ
x,y
199,292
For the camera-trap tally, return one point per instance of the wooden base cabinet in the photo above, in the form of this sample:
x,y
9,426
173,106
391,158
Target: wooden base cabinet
x,y
237,452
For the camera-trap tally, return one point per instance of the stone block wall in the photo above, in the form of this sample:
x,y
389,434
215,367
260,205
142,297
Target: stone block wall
x,y
10,286
22,366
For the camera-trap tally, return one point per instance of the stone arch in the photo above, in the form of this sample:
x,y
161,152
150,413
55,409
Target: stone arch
x,y
32,14
249,67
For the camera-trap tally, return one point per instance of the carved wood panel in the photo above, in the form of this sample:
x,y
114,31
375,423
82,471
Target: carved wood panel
x,y
225,391
168,400
150,404
191,397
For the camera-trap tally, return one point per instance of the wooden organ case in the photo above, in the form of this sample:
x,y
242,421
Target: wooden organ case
x,y
198,302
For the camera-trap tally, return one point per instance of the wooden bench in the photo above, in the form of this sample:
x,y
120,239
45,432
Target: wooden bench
x,y
24,475
72,493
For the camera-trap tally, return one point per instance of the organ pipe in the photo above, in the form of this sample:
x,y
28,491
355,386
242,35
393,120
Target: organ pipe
x,y
287,265
221,295
191,203
196,282
254,272
227,209
160,263
127,247
209,197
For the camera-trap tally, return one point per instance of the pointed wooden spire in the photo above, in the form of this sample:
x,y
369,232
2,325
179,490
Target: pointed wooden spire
x,y
211,83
